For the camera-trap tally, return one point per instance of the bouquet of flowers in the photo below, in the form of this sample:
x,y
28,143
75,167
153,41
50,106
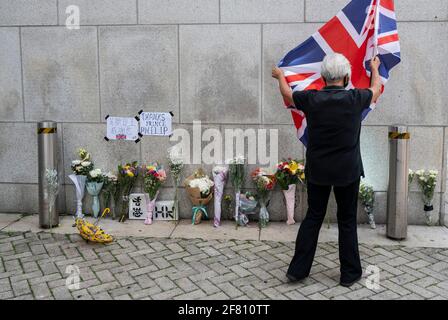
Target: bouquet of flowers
x,y
176,165
220,174
264,183
289,173
110,187
200,190
127,175
367,197
237,177
248,205
154,177
83,165
95,179
81,168
427,180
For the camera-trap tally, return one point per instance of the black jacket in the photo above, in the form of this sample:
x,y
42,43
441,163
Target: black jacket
x,y
333,115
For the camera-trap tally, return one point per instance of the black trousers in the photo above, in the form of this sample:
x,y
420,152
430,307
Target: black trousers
x,y
306,243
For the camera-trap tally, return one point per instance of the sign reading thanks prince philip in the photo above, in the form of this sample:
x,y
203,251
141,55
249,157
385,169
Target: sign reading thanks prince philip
x,y
155,123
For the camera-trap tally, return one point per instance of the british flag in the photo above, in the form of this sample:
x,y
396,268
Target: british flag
x,y
361,30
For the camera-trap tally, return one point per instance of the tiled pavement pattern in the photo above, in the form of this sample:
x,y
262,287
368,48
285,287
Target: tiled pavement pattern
x,y
33,266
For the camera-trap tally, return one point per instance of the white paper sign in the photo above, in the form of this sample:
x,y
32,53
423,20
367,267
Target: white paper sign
x,y
137,206
122,128
155,123
165,211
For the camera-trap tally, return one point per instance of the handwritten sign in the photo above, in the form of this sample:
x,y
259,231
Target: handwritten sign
x,y
155,123
122,128
137,206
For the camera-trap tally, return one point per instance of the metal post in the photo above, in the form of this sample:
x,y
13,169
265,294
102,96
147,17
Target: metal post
x,y
397,195
47,154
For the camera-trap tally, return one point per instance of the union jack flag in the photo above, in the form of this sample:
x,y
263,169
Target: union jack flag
x,y
361,30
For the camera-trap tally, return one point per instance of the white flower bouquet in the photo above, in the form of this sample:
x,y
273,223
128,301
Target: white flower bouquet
x,y
81,168
200,190
427,180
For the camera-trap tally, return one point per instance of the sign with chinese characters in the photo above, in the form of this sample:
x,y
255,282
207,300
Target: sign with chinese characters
x,y
137,206
165,210
155,123
122,128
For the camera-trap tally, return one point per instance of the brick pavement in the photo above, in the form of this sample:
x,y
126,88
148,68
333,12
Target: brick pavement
x,y
34,265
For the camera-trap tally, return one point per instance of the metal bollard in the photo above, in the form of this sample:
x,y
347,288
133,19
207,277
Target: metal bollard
x,y
397,195
47,154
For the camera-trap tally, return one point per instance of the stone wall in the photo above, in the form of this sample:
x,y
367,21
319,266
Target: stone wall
x,y
204,60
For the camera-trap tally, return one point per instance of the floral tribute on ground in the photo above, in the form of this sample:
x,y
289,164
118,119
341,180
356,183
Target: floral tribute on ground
x,y
154,177
200,191
237,177
264,183
427,181
176,166
110,192
81,168
127,176
95,181
289,173
367,198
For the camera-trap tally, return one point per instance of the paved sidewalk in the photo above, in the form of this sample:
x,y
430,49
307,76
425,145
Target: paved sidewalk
x,y
33,265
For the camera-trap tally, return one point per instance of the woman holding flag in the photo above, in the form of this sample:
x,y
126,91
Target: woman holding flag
x,y
333,160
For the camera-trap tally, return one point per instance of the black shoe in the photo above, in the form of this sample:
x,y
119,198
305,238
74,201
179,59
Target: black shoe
x,y
293,279
349,284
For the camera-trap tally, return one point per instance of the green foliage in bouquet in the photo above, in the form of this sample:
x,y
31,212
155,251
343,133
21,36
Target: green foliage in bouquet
x,y
236,172
367,196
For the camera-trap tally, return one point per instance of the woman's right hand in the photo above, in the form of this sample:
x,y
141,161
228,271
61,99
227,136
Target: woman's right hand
x,y
375,63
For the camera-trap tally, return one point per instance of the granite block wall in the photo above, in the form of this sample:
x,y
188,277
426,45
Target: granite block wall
x,y
205,60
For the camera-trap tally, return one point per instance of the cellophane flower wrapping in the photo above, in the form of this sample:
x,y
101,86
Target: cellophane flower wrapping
x,y
52,190
220,174
95,182
81,168
94,189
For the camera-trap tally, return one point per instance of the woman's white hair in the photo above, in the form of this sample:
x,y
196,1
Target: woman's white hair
x,y
335,67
